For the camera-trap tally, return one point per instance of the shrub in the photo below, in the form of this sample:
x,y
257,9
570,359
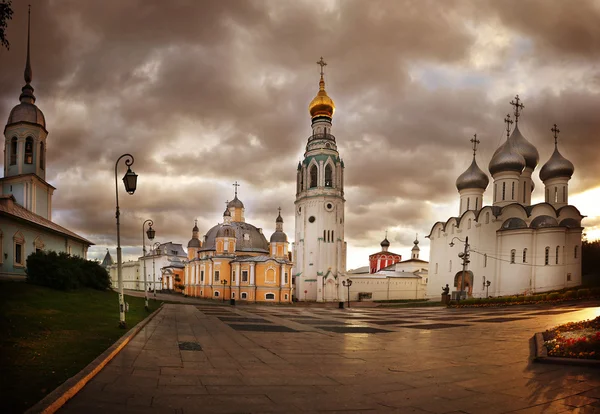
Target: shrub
x,y
583,293
64,272
553,296
515,299
569,294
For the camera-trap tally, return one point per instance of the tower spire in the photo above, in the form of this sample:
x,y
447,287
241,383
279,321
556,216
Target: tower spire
x,y
27,90
518,108
556,131
475,142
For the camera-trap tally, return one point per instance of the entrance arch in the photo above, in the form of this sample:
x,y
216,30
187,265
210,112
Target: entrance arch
x,y
468,280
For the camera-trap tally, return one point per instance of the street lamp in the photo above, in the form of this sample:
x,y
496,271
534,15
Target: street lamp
x,y
464,255
224,282
347,284
487,288
150,233
155,246
130,181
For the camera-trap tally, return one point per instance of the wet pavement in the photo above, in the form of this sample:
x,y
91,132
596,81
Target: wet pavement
x,y
260,359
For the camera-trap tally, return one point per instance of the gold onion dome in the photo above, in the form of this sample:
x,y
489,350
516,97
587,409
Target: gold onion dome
x,y
322,104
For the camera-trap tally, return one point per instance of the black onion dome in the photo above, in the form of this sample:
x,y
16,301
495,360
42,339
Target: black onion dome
x,y
557,166
506,158
473,177
385,243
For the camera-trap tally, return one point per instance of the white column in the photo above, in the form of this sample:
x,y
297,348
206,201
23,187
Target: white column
x,y
209,275
251,274
283,275
238,274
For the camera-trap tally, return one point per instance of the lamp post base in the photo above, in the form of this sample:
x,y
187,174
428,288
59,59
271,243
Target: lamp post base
x,y
123,325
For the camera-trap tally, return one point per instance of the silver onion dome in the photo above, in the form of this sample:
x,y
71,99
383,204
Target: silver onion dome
x,y
473,177
525,148
506,158
236,203
557,166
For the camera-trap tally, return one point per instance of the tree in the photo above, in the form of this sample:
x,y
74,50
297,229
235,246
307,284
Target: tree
x,y
6,13
590,262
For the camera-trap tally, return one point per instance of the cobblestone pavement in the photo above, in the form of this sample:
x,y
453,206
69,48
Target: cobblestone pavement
x,y
261,359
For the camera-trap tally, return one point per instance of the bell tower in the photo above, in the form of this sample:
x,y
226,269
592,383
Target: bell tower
x,y
319,250
25,150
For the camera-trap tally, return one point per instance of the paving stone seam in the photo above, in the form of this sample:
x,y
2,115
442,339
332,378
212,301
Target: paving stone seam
x,y
67,390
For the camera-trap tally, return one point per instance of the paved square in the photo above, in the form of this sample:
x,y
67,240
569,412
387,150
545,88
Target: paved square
x,y
424,361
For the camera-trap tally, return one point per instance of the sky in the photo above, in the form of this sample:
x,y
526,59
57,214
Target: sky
x,y
206,93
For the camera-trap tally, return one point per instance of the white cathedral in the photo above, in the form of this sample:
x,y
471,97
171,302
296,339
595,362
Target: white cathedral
x,y
319,251
513,247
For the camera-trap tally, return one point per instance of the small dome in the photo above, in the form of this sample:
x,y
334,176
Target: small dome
x,y
525,148
385,243
226,231
194,243
279,237
26,112
235,203
279,219
557,166
416,247
473,177
195,227
227,213
322,104
543,221
506,158
514,223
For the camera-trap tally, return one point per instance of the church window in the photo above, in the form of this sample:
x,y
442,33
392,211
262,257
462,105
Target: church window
x,y
556,194
524,192
564,194
286,296
485,260
547,195
13,151
487,218
503,191
495,192
476,203
468,203
524,255
42,156
324,235
285,278
469,224
332,238
216,293
232,295
512,194
244,276
453,225
313,176
547,256
19,254
270,296
568,277
202,276
311,219
436,268
557,250
328,176
575,251
439,232
29,150
450,266
513,253
19,247
244,295
233,276
217,276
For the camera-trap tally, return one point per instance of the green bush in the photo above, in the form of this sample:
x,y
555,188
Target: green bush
x,y
64,272
553,296
569,294
516,299
528,298
583,293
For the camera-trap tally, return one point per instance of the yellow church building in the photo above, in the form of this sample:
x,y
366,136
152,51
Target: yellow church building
x,y
235,261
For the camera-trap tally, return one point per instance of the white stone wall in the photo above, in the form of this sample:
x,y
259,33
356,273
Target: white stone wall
x,y
387,287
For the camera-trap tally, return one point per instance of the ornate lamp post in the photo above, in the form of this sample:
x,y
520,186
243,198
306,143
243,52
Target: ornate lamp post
x,y
150,233
130,181
464,255
155,246
224,282
347,283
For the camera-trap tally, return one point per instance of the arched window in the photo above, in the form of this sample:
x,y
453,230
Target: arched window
x,y
487,218
313,176
13,151
328,176
575,251
42,156
495,192
439,232
524,255
557,250
547,255
476,203
244,295
453,225
468,203
564,194
556,194
503,191
524,192
469,224
513,253
450,266
485,260
270,296
29,150
436,268
512,194
216,293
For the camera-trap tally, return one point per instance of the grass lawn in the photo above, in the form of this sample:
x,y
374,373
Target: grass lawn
x,y
47,336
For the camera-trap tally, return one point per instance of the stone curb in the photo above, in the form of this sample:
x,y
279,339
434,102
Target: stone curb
x,y
67,390
541,356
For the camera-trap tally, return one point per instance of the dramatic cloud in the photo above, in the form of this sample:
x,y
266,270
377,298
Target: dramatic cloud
x,y
207,93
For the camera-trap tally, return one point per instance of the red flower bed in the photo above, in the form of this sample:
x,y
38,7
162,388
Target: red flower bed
x,y
574,340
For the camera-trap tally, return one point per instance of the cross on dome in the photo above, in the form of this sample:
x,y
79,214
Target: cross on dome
x,y
556,132
518,107
475,142
508,124
236,185
322,63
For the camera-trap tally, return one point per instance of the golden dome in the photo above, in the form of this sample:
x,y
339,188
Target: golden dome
x,y
322,104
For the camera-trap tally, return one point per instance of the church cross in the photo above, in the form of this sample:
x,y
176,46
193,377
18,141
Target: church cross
x,y
556,131
322,63
518,107
508,124
279,209
475,142
236,185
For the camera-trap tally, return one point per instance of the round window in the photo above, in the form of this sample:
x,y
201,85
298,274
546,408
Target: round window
x,y
329,206
311,219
